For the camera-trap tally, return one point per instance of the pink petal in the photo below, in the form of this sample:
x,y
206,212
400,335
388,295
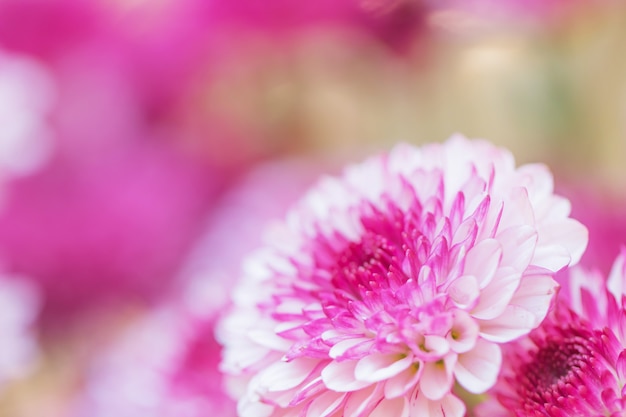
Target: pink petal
x,y
245,407
340,348
380,366
404,381
464,291
496,296
552,258
339,376
517,209
282,376
269,339
398,407
527,309
325,404
462,336
621,366
518,246
436,380
362,402
477,370
513,323
535,294
537,179
466,230
616,282
566,233
482,261
449,406
435,346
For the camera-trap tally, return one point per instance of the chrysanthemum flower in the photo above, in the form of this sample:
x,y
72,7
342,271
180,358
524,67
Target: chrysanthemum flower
x,y
574,364
392,282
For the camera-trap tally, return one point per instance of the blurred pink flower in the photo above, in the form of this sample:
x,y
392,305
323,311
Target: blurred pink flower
x,y
574,364
111,214
235,226
601,211
26,97
106,231
386,285
19,304
395,23
165,365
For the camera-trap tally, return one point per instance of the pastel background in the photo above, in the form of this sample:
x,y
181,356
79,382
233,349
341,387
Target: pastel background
x,y
145,145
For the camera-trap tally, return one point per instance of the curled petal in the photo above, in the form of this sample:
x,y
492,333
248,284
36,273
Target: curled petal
x,y
400,384
478,369
464,332
436,379
380,366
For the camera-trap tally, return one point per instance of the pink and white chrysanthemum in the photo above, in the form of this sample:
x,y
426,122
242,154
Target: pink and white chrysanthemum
x,y
390,283
574,364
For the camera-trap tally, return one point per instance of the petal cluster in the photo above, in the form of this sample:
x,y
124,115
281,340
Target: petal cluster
x,y
388,284
574,363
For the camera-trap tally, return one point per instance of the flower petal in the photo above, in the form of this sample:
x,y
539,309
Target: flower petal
x,y
339,376
536,294
362,402
513,323
404,381
464,332
464,291
436,380
498,294
326,404
380,366
518,246
281,376
397,407
567,233
448,406
482,261
477,370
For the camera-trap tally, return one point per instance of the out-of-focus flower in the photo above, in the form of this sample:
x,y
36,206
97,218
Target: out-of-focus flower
x,y
110,216
574,363
600,209
388,284
235,226
166,365
395,23
19,305
26,98
108,231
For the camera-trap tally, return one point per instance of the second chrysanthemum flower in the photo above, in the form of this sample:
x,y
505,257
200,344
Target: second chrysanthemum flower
x,y
390,283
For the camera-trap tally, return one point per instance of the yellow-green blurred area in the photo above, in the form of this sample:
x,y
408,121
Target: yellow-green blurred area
x,y
550,91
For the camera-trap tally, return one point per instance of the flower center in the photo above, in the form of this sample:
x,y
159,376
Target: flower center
x,y
380,292
558,361
364,266
569,370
